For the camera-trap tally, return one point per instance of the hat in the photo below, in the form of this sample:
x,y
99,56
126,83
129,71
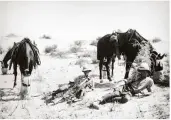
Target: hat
x,y
144,67
86,69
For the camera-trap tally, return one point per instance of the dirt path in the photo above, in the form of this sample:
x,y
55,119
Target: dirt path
x,y
46,78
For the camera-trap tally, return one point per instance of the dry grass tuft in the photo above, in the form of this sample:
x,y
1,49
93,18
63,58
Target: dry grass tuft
x,y
50,49
59,54
94,42
76,46
81,62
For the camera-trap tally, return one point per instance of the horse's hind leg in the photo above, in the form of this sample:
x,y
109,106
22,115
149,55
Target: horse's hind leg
x,y
100,68
108,68
128,66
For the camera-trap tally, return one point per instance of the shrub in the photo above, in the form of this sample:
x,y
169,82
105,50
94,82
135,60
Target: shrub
x,y
155,40
59,54
81,62
11,35
95,61
86,54
76,47
45,37
50,49
94,42
79,43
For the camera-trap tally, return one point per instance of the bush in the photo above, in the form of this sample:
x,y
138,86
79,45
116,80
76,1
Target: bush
x,y
45,37
155,40
86,54
79,43
50,49
76,47
59,54
81,62
11,35
95,61
94,42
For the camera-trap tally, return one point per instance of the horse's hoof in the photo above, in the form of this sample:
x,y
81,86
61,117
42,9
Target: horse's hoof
x,y
101,81
109,79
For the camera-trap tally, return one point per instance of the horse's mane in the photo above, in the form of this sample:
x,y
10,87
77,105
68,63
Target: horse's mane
x,y
15,52
140,36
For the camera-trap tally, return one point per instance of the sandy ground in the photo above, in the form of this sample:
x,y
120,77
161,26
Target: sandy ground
x,y
55,71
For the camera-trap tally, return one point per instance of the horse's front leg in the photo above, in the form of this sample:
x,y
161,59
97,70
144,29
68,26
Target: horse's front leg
x,y
15,74
128,66
100,69
113,60
108,68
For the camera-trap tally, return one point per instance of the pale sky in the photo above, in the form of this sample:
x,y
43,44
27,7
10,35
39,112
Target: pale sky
x,y
68,21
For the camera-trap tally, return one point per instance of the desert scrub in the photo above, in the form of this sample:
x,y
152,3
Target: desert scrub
x,y
50,49
59,54
155,40
76,47
88,53
94,61
45,37
94,42
81,62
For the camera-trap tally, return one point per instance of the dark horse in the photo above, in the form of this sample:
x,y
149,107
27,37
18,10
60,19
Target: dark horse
x,y
107,50
24,54
130,44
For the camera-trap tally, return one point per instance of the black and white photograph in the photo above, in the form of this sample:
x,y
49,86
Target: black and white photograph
x,y
85,59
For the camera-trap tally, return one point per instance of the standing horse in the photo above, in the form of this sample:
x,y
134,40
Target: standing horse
x,y
130,44
25,54
107,50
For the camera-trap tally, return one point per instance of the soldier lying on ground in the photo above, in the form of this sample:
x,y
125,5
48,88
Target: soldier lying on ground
x,y
130,88
76,89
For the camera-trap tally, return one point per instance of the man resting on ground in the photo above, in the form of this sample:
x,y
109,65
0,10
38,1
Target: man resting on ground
x,y
132,87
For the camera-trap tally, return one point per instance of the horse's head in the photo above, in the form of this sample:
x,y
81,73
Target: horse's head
x,y
115,43
3,65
